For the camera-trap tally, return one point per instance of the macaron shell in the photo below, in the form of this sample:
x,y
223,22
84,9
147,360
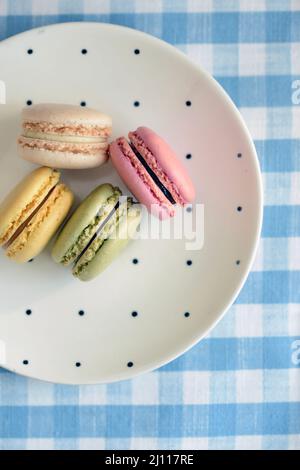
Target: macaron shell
x,y
63,160
42,122
145,194
168,161
65,114
81,218
113,246
34,238
24,199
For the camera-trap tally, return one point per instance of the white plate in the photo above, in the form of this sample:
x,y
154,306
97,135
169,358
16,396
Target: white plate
x,y
111,76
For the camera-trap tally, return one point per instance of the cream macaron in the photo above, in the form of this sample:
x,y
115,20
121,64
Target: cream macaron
x,y
32,212
64,136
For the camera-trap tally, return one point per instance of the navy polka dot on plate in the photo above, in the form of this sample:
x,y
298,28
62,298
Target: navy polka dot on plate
x,y
29,102
129,364
28,311
25,362
78,364
189,262
29,51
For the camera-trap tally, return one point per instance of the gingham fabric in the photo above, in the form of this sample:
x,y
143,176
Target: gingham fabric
x,y
240,387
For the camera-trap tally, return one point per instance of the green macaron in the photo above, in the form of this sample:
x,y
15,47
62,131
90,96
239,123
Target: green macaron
x,y
97,232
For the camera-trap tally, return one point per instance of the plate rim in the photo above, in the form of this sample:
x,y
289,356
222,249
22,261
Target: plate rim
x,y
132,373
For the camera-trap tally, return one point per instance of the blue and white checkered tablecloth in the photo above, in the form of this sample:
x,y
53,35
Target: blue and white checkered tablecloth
x,y
240,387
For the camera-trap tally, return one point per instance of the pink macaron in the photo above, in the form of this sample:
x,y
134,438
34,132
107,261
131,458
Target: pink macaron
x,y
152,172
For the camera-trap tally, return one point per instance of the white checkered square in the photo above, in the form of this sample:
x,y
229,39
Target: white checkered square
x,y
294,389
40,444
195,443
91,7
249,386
40,393
202,54
252,67
248,320
294,252
3,7
281,123
92,395
258,264
295,122
294,196
194,6
196,387
276,385
256,120
294,442
294,319
143,443
91,443
145,389
251,5
148,6
295,58
294,5
248,442
44,7
280,188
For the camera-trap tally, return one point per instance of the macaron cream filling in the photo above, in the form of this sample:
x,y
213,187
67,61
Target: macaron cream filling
x,y
76,250
45,127
64,137
75,148
120,211
101,227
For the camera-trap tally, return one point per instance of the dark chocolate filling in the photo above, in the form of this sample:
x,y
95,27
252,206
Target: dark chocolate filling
x,y
155,178
98,231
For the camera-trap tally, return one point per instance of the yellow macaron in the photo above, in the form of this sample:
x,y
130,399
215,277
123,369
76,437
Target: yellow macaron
x,y
32,212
